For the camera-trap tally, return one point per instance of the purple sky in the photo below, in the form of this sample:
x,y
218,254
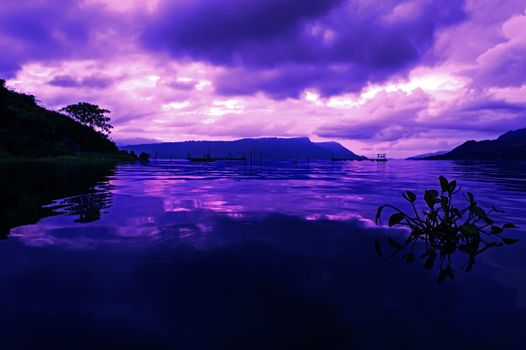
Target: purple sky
x,y
401,77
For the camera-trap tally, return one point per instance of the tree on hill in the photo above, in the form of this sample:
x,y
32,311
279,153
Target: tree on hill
x,y
90,115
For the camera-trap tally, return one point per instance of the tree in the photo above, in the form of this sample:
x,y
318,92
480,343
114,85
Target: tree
x,y
144,157
90,115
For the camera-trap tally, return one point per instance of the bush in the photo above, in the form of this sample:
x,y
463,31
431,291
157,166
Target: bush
x,y
144,157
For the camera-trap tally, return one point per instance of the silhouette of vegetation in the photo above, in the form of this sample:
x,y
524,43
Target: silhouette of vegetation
x,y
144,157
443,229
90,115
29,130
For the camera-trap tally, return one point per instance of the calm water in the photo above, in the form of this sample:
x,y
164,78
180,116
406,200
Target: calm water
x,y
174,255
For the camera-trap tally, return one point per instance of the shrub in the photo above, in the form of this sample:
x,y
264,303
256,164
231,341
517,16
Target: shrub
x,y
144,157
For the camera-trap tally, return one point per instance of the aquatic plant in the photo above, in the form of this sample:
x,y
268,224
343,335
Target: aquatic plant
x,y
442,229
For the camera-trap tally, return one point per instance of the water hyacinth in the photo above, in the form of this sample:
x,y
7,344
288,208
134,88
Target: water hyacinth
x,y
444,229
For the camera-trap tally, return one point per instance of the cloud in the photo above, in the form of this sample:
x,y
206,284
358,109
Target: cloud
x,y
375,75
283,47
504,64
37,31
67,81
387,117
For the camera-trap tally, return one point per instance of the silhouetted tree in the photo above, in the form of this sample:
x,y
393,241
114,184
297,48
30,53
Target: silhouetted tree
x,y
90,115
144,157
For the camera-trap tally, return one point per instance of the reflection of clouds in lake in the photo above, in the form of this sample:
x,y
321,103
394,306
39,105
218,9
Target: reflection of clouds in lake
x,y
165,197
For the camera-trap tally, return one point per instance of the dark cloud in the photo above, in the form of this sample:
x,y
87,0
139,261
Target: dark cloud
x,y
215,30
495,105
68,81
281,47
35,30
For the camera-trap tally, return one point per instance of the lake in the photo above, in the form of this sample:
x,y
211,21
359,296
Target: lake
x,y
279,255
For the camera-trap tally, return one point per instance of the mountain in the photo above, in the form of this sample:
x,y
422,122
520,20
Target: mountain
x,y
267,148
426,155
511,145
29,130
133,141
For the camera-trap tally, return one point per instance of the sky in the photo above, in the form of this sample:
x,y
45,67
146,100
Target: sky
x,y
397,77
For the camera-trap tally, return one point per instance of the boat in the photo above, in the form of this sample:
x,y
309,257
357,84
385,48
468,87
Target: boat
x,y
380,157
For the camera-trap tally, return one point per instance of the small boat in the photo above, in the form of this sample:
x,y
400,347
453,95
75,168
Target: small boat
x,y
380,157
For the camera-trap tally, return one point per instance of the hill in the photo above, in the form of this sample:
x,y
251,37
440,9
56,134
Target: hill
x,y
29,130
511,145
426,155
267,148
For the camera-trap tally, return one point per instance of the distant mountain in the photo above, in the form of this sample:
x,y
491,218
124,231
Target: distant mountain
x,y
511,145
134,141
28,130
267,148
426,155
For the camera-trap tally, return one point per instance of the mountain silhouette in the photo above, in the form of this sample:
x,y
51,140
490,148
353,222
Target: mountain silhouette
x,y
266,148
426,155
511,145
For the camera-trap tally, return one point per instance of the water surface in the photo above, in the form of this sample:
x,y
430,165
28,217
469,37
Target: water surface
x,y
175,255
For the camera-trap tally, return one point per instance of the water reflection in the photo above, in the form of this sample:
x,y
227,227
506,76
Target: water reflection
x,y
88,206
214,256
28,192
134,200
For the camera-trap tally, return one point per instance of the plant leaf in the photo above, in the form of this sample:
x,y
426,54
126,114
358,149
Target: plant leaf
x,y
496,230
410,258
444,184
441,276
452,186
396,218
509,240
497,210
450,273
411,196
470,264
430,261
469,229
509,225
377,247
378,215
444,202
393,243
478,211
430,197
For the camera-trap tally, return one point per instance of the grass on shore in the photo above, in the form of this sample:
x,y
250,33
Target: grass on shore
x,y
6,158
